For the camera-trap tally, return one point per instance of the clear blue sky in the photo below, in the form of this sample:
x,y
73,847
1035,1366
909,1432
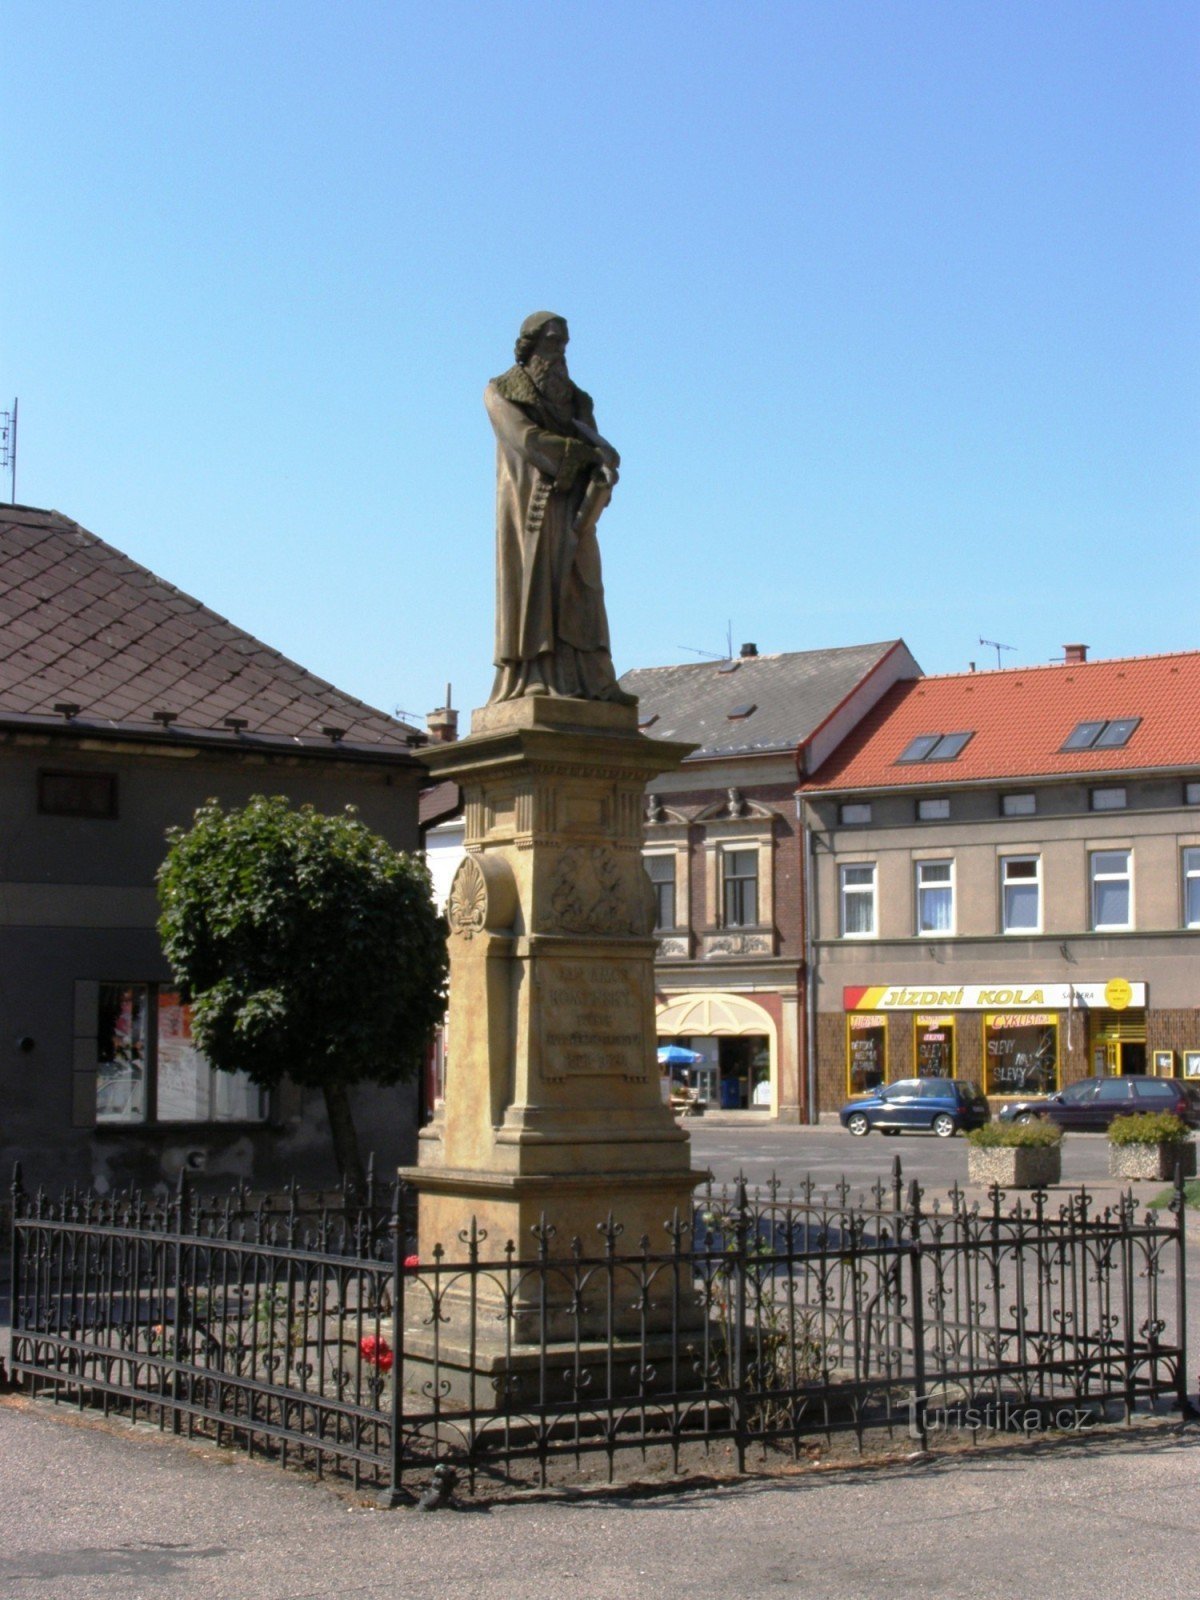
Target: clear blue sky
x,y
892,310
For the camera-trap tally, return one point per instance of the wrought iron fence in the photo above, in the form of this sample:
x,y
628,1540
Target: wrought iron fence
x,y
764,1320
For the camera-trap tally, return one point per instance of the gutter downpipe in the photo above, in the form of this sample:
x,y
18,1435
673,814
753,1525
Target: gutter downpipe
x,y
810,977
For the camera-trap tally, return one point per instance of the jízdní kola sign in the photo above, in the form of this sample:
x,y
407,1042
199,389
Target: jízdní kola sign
x,y
1116,994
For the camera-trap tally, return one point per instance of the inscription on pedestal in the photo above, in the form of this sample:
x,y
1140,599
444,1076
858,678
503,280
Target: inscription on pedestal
x,y
590,1020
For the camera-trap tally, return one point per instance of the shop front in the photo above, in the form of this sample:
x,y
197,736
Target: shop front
x,y
735,1041
1012,1039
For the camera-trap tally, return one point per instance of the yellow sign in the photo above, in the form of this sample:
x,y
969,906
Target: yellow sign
x,y
1117,994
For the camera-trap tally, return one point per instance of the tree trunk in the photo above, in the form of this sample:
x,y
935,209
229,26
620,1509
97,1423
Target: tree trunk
x,y
345,1138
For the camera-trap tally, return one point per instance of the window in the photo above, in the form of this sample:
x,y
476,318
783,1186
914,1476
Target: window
x,y
1101,735
1021,893
933,810
1018,805
858,900
866,1052
1020,1053
933,1046
854,811
1191,888
739,871
661,870
148,1069
1191,794
1112,900
77,794
935,897
1110,798
935,747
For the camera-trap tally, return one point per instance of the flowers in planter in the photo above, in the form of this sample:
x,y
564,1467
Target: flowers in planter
x,y
1015,1136
1148,1127
377,1352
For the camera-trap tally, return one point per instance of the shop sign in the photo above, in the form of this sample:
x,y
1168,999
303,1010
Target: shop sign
x,y
1117,994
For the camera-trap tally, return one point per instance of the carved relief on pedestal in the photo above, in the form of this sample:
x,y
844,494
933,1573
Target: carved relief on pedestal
x,y
591,893
482,895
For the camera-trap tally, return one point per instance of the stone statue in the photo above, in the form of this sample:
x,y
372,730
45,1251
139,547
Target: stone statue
x,y
554,476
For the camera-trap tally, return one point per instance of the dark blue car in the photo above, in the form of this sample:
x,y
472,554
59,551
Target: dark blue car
x,y
937,1105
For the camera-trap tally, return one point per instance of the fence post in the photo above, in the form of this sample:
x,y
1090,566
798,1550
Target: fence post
x,y
1179,1211
8,1377
181,1299
920,1401
391,1496
741,1233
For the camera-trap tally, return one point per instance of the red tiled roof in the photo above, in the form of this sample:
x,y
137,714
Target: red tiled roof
x,y
82,624
1020,718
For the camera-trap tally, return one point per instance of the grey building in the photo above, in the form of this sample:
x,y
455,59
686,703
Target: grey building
x,y
124,704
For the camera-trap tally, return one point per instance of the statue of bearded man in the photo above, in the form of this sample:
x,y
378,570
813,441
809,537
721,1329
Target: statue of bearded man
x,y
554,476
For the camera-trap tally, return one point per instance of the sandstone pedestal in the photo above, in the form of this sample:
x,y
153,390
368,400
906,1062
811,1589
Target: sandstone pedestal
x,y
553,1111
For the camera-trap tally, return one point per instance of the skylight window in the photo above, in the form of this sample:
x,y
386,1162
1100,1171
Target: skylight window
x,y
936,746
729,666
1109,735
745,710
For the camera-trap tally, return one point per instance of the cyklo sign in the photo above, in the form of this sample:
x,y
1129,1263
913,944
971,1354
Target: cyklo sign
x,y
1113,994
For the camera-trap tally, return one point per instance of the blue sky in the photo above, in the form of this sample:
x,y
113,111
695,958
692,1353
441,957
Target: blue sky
x,y
891,309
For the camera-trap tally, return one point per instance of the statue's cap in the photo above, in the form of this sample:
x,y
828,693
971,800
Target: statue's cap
x,y
535,323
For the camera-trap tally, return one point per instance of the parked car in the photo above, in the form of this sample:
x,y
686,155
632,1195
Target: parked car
x,y
940,1105
1094,1102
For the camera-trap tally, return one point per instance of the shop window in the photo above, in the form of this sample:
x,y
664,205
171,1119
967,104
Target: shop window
x,y
933,810
1021,893
661,871
857,899
1112,889
866,1052
77,794
739,873
854,813
149,1070
1020,1053
933,1046
1018,805
1191,888
935,897
1111,798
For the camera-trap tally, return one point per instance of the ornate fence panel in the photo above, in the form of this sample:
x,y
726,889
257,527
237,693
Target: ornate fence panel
x,y
765,1320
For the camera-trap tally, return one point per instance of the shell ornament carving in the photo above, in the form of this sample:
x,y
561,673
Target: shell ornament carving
x,y
466,909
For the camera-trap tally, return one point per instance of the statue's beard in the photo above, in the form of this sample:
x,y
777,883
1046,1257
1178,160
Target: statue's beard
x,y
550,376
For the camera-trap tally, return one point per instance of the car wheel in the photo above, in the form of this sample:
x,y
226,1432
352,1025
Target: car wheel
x,y
1026,1117
857,1124
945,1126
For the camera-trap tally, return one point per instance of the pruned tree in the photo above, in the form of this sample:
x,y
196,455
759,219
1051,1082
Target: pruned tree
x,y
308,947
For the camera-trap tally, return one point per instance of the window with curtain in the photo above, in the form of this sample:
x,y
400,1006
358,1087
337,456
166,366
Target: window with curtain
x,y
935,897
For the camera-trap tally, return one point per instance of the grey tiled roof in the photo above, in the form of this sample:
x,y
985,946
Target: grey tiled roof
x,y
792,694
81,624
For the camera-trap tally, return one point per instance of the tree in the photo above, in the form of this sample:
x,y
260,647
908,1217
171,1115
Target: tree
x,y
307,947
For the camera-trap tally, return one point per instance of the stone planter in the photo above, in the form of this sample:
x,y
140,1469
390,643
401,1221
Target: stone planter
x,y
1015,1166
1153,1161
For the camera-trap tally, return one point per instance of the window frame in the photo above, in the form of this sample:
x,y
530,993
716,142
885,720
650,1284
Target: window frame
x,y
735,882
670,858
1190,874
937,800
859,891
1005,862
866,1022
48,776
949,885
845,820
1095,803
1007,799
1094,878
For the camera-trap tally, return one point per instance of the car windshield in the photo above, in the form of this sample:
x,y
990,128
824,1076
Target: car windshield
x,y
1079,1092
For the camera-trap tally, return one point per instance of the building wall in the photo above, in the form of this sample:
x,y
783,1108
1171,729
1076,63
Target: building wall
x,y
78,907
1156,827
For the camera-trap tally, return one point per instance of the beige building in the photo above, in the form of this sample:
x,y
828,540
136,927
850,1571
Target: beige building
x,y
1007,879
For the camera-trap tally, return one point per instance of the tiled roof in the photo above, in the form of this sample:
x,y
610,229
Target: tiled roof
x,y
83,625
1020,718
791,695
437,802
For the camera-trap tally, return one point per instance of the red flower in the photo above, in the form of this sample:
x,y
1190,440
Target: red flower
x,y
411,1263
377,1351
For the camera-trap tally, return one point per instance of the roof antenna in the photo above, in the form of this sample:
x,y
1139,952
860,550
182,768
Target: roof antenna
x,y
713,655
994,644
8,449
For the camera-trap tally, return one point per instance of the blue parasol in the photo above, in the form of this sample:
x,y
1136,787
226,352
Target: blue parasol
x,y
674,1055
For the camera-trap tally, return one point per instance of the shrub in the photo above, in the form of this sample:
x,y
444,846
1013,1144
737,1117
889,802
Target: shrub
x,y
1148,1127
1015,1135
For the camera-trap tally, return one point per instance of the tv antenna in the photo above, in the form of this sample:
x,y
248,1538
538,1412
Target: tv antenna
x,y
8,448
713,655
994,644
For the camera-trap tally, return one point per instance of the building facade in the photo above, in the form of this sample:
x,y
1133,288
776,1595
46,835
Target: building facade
x,y
1007,880
724,853
124,705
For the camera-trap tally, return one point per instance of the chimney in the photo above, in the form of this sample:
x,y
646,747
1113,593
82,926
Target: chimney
x,y
1075,654
442,724
748,650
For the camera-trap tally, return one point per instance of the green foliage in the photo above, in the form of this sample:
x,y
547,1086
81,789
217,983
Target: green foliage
x,y
306,944
1148,1127
1015,1135
1191,1196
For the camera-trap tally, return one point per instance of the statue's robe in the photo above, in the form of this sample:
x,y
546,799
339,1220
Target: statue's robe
x,y
551,627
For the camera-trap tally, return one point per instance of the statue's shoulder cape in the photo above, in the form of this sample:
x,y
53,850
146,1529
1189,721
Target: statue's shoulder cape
x,y
516,385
